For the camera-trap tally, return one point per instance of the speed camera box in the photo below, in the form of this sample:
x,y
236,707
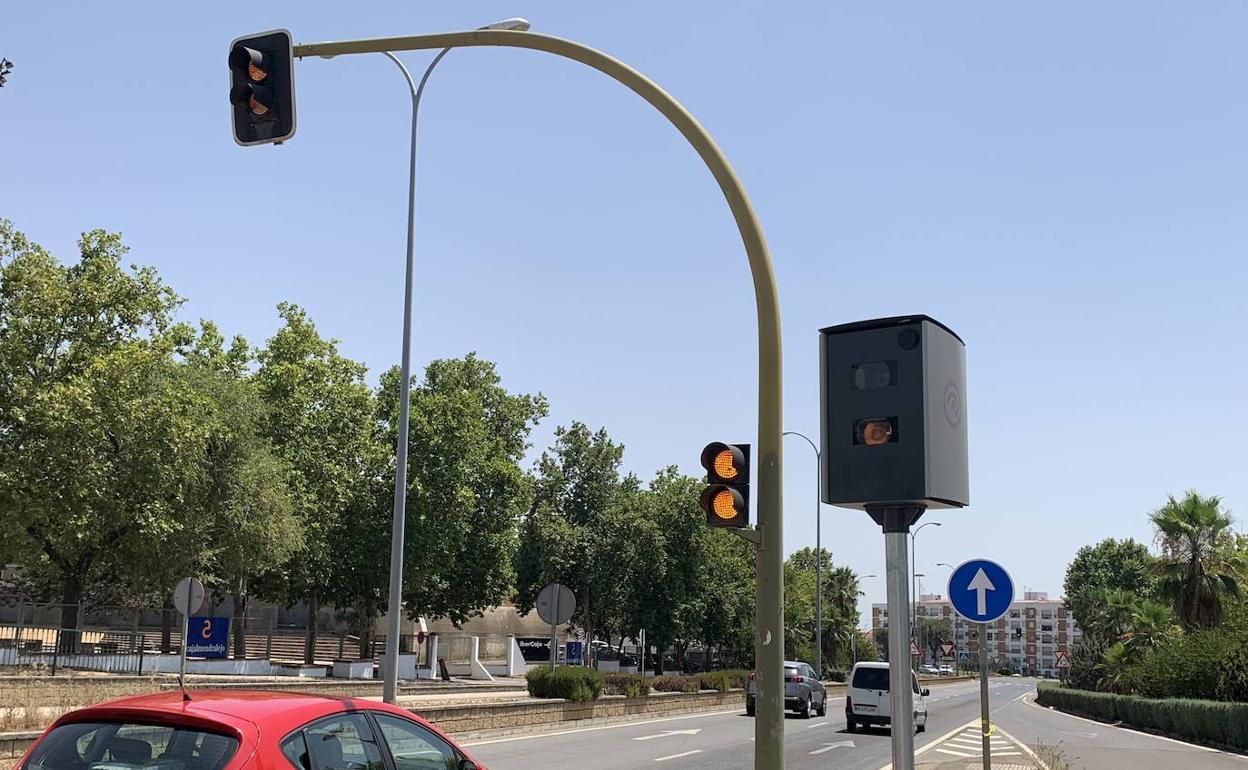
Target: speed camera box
x,y
893,414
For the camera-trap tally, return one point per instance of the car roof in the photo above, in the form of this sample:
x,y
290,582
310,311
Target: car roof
x,y
795,663
245,712
871,664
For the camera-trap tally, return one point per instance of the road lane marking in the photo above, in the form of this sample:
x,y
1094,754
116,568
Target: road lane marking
x,y
932,744
616,726
830,746
1031,702
678,756
955,753
668,733
818,724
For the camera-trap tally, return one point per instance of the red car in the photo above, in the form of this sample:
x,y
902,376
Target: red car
x,y
222,730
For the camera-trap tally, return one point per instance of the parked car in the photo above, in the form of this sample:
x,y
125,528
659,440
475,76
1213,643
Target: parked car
x,y
927,668
803,692
946,669
240,730
867,698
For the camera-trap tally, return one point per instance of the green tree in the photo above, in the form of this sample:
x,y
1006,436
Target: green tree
x,y
1200,566
725,602
251,524
466,490
1110,564
101,442
1151,624
319,421
577,483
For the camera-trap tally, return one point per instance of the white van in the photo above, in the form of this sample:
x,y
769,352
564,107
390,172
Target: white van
x,y
867,699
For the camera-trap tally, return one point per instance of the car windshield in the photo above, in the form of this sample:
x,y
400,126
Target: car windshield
x,y
130,746
791,671
871,679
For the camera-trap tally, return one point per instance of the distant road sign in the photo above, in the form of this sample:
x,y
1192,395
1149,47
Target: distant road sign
x,y
555,604
1061,659
947,649
914,649
188,595
980,590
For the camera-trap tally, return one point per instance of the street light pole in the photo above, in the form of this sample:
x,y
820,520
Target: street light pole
x,y
818,555
854,639
769,618
914,618
390,667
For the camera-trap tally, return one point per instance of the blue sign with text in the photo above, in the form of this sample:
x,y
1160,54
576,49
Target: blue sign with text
x,y
980,590
206,637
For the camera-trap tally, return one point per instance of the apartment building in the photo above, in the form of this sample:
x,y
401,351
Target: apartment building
x,y
1027,636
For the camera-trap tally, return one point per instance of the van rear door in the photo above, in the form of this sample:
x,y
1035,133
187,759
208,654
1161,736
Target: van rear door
x,y
869,690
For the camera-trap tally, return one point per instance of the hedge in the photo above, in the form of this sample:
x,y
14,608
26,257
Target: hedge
x,y
628,685
674,684
1199,721
723,681
574,683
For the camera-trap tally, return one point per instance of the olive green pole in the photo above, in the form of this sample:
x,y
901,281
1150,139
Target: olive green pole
x,y
769,632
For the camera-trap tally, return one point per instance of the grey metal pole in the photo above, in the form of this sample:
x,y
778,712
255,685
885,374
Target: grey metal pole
x,y
901,701
395,608
818,554
984,724
554,634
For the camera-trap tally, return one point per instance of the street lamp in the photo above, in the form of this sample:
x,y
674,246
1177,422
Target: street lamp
x,y
391,667
853,640
818,558
914,620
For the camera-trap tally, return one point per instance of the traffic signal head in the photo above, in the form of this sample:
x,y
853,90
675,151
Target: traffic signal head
x,y
726,499
262,88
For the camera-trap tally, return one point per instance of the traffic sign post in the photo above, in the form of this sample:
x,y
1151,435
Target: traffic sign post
x,y
187,598
555,605
981,591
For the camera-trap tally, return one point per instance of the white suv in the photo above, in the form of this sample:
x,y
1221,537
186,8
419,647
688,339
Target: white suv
x,y
867,698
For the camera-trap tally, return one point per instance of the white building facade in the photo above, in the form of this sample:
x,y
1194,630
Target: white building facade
x,y
1028,637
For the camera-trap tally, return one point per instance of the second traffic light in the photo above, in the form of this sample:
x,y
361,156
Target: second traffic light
x,y
262,88
726,499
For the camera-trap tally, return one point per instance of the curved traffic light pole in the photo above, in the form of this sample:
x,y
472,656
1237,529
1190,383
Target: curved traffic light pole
x,y
769,632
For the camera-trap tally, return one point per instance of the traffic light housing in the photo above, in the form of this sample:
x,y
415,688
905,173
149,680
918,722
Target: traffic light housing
x,y
262,88
726,499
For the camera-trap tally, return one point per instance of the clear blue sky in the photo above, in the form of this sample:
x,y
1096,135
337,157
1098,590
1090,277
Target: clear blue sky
x,y
1062,183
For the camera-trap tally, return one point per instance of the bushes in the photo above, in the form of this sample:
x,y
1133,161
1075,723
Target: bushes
x,y
628,685
835,674
574,683
1233,682
1201,721
674,684
1187,666
722,681
584,684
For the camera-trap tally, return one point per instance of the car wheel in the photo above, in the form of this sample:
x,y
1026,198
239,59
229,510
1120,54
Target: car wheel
x,y
749,707
921,728
851,726
807,707
823,707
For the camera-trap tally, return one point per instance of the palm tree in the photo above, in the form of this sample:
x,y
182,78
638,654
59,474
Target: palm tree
x,y
1151,623
1115,668
1114,614
1198,566
841,591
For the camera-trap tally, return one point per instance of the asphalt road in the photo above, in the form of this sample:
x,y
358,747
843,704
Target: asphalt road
x,y
725,740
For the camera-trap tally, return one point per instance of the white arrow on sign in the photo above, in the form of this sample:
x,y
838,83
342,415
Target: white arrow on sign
x,y
981,584
830,746
668,733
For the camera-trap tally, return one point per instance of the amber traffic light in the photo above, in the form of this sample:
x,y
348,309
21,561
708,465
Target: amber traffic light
x,y
262,88
726,499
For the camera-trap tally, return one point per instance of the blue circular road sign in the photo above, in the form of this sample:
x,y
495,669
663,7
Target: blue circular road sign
x,y
981,590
